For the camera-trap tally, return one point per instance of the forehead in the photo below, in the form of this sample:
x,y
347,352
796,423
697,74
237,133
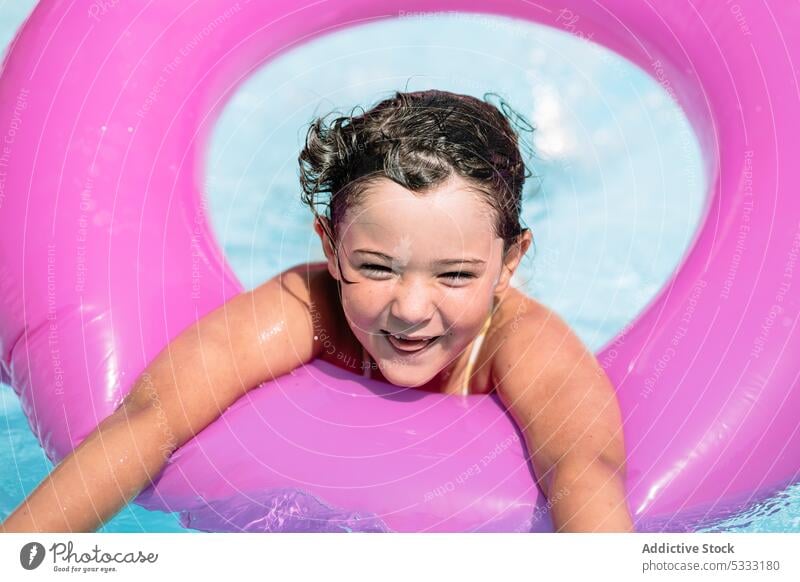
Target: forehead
x,y
451,219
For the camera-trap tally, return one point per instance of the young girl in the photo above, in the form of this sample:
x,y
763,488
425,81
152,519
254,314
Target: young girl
x,y
421,234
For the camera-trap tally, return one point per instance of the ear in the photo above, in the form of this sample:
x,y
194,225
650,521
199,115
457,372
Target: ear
x,y
512,259
327,245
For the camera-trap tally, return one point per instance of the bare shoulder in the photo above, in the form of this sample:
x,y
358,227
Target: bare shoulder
x,y
527,329
555,389
313,285
310,283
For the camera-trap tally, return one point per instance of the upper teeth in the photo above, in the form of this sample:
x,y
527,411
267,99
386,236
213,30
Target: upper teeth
x,y
402,337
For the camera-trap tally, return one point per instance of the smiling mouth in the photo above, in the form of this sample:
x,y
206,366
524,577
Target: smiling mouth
x,y
408,346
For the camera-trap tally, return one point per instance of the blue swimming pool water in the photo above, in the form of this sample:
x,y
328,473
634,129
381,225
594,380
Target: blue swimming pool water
x,y
618,197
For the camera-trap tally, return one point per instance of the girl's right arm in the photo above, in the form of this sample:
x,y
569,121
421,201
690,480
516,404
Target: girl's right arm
x,y
256,336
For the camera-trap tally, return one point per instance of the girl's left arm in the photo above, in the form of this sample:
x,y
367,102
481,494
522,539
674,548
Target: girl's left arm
x,y
567,409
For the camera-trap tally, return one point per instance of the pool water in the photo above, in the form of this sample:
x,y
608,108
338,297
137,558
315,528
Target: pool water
x,y
614,205
25,466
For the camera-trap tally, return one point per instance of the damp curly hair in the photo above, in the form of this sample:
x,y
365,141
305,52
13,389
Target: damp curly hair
x,y
418,140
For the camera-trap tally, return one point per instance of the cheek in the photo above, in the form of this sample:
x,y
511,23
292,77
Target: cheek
x,y
362,306
366,305
460,331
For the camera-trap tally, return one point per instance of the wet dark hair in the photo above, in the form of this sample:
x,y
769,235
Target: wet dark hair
x,y
418,140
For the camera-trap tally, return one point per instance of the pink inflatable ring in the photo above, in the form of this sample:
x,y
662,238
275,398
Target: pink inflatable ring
x,y
106,254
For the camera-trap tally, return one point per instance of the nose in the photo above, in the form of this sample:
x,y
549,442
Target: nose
x,y
412,305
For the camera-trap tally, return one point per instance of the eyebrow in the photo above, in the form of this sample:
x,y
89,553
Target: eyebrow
x,y
386,257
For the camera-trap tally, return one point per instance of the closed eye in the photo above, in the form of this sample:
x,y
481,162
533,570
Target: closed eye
x,y
454,275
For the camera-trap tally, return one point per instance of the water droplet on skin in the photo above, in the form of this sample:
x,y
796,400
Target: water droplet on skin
x,y
265,335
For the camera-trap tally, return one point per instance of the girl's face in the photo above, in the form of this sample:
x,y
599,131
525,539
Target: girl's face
x,y
422,266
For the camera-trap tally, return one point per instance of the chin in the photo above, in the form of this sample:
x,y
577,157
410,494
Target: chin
x,y
407,380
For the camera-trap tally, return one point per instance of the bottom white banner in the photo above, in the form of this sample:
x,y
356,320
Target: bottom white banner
x,y
390,557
